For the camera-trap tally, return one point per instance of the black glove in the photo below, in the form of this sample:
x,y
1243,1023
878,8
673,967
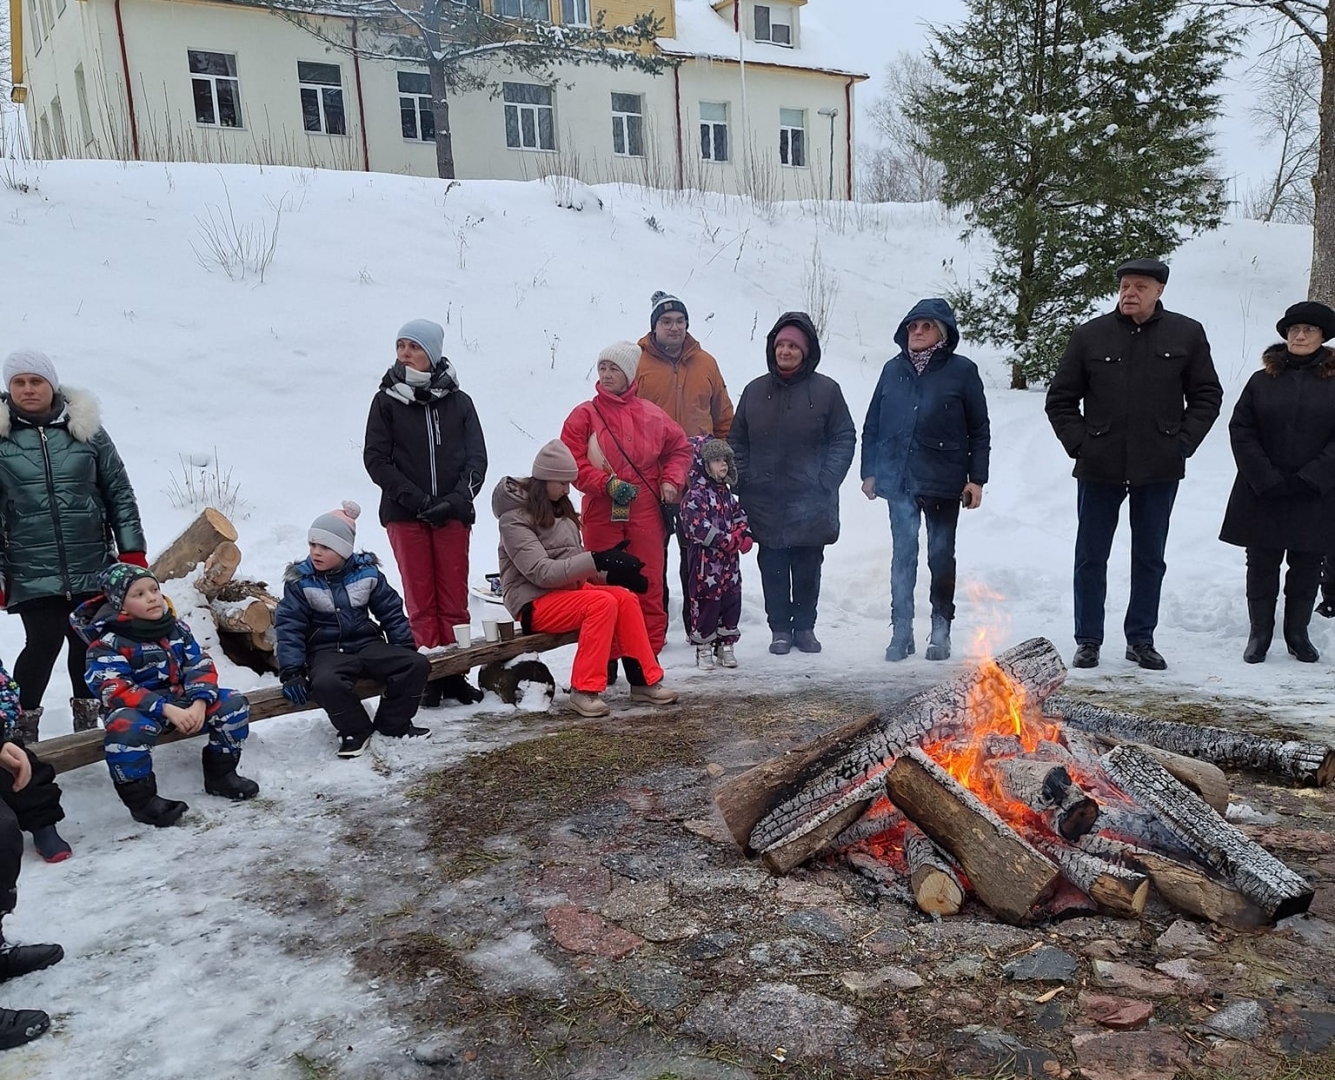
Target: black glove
x,y
1292,486
463,508
617,558
628,579
435,511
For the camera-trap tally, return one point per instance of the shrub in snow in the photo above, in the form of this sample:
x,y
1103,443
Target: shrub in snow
x,y
572,194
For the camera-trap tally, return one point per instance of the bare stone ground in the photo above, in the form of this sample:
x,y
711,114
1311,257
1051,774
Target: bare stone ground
x,y
570,906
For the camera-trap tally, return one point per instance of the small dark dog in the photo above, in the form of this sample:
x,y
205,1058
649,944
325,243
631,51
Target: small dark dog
x,y
454,687
520,682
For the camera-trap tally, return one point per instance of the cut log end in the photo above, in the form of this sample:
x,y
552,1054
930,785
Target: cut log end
x,y
936,892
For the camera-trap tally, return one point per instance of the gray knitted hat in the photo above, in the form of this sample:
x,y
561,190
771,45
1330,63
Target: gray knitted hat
x,y
429,335
336,530
30,362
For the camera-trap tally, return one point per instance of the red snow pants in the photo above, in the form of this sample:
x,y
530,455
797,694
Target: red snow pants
x,y
645,532
610,624
433,563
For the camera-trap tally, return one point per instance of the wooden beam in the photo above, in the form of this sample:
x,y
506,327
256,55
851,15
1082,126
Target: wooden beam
x,y
68,752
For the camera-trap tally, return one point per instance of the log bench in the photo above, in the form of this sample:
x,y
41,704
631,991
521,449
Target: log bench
x,y
66,752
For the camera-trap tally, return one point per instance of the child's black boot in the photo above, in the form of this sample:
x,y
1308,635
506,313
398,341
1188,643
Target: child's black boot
x,y
220,777
141,799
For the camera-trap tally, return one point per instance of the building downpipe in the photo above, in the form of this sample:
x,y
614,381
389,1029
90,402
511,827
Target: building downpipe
x,y
129,90
848,112
361,100
676,92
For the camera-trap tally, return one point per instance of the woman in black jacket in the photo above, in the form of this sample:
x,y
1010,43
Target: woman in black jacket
x,y
425,451
793,439
1283,500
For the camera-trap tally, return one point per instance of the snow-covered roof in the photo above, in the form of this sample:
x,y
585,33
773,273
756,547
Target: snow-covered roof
x,y
704,33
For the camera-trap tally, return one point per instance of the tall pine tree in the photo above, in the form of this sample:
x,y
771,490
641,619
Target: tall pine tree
x,y
1075,134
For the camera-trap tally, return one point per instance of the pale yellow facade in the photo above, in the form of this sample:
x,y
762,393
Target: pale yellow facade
x,y
786,135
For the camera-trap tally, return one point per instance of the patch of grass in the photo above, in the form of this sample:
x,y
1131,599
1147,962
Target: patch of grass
x,y
311,1068
1320,1067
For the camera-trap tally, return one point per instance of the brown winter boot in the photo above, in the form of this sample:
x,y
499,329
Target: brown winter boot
x,y
26,728
87,711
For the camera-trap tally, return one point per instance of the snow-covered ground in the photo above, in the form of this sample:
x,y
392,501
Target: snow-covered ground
x,y
173,968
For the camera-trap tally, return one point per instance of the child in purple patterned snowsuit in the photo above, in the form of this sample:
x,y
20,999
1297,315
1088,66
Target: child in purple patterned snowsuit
x,y
717,533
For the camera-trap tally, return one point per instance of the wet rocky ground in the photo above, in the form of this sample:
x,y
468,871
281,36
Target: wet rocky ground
x,y
569,904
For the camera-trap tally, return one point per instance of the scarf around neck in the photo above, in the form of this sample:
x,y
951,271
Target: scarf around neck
x,y
414,387
148,629
920,360
42,419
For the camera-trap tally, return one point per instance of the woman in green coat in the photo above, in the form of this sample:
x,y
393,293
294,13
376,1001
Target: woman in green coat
x,y
67,510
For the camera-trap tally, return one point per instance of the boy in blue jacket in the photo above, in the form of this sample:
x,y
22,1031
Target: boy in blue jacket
x,y
340,621
149,672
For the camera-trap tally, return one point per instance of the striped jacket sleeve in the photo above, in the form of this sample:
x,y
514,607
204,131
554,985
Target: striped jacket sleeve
x,y
111,677
197,671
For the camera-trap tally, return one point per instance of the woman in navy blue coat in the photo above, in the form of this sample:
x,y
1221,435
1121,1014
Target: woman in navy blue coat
x,y
925,447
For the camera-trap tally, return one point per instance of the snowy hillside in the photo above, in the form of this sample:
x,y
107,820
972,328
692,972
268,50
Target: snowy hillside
x,y
101,270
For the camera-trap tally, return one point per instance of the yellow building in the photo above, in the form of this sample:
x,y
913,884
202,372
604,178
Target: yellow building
x,y
755,99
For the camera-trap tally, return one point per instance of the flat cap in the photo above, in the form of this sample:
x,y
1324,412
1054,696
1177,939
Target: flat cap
x,y
1147,267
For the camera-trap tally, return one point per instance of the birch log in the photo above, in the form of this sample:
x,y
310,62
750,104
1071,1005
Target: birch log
x,y
193,546
219,568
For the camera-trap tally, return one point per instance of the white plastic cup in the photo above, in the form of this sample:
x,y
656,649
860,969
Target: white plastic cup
x,y
463,635
491,629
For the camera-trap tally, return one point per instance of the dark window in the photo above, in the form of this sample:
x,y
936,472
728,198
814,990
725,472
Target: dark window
x,y
214,88
322,98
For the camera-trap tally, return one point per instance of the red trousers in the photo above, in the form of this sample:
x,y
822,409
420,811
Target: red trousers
x,y
645,533
433,563
610,624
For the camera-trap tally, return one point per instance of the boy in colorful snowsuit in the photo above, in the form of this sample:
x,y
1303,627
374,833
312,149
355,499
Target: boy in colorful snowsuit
x,y
716,530
340,620
37,805
150,674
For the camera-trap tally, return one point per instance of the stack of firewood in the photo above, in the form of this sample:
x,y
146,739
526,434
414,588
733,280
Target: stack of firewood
x,y
243,610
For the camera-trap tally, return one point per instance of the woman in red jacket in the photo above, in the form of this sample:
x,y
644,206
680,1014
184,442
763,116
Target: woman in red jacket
x,y
632,457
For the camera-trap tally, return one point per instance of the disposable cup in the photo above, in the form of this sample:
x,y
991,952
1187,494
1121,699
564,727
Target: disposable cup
x,y
463,635
491,630
507,629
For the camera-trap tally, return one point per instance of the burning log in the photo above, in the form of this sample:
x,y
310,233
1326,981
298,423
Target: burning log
x,y
1182,886
1115,889
793,851
1047,789
937,888
1308,764
1263,879
194,545
219,569
1005,870
1206,780
846,774
881,817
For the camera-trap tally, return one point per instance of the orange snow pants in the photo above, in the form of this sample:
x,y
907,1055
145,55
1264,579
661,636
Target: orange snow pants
x,y
610,624
645,532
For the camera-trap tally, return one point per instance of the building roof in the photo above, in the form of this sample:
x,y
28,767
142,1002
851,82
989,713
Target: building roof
x,y
706,34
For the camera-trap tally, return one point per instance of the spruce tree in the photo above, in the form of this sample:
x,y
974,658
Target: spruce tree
x,y
1075,134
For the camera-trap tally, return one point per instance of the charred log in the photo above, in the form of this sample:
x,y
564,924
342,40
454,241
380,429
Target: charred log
x,y
1047,789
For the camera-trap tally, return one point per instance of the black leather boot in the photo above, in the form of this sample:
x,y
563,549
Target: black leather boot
x,y
938,647
1296,619
220,777
1262,616
141,799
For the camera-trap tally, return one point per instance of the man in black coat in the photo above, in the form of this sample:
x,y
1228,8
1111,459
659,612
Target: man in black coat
x,y
1134,395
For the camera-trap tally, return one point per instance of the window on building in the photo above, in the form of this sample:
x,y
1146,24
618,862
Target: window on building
x,y
476,5
85,117
774,23
530,118
322,98
713,131
793,137
575,12
58,127
415,112
538,10
35,17
48,15
60,7
44,132
216,91
628,125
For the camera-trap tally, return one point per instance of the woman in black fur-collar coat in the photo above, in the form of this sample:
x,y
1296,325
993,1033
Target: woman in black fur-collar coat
x,y
1283,500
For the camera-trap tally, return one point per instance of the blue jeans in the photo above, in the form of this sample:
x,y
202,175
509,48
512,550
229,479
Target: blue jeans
x,y
1098,507
906,514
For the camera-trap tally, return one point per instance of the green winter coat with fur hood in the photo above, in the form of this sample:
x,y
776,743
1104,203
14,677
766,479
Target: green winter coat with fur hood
x,y
66,504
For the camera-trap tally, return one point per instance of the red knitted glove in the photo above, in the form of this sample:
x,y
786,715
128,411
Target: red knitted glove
x,y
745,544
134,558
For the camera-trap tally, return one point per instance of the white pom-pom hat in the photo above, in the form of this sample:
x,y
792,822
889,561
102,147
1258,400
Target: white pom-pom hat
x,y
336,530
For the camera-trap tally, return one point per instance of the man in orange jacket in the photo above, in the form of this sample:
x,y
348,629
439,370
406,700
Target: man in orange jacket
x,y
683,380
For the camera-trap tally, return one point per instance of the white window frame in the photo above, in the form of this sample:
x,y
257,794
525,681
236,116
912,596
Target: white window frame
x,y
58,127
81,96
320,89
517,110
534,10
629,126
420,104
35,13
787,144
48,15
785,20
213,81
709,133
575,13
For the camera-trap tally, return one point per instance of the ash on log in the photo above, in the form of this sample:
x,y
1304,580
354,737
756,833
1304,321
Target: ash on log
x,y
793,851
937,888
1304,763
1007,873
1047,789
1184,887
1262,878
1206,780
194,546
882,816
1116,889
849,768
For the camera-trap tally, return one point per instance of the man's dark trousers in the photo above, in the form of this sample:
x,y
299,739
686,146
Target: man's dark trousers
x,y
1098,507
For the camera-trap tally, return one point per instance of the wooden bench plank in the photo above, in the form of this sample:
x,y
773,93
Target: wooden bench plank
x,y
66,752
